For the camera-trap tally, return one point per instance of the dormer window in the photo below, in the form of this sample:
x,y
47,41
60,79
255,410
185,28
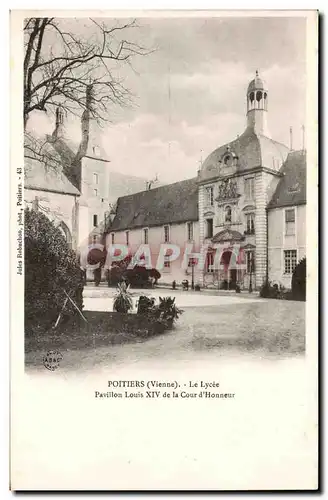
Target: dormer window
x,y
227,160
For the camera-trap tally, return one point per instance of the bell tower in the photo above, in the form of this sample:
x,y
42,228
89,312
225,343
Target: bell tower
x,y
257,106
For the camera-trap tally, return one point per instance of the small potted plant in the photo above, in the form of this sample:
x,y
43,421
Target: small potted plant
x,y
123,299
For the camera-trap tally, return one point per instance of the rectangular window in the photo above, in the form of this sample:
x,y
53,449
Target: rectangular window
x,y
166,234
95,178
145,236
167,262
95,220
250,262
250,188
290,221
209,264
95,192
209,228
250,223
113,238
209,196
290,261
127,237
190,231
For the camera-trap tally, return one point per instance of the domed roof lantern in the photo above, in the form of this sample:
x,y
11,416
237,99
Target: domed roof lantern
x,y
257,83
257,105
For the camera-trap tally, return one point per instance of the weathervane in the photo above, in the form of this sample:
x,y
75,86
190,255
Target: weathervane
x,y
200,161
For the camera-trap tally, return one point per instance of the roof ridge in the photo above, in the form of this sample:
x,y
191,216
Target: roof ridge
x,y
272,140
159,187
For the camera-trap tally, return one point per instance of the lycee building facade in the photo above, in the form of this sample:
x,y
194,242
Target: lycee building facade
x,y
245,209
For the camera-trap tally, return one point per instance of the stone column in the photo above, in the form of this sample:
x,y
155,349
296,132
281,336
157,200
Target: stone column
x,y
260,232
199,275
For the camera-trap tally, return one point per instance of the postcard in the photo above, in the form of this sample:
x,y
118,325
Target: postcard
x,y
164,283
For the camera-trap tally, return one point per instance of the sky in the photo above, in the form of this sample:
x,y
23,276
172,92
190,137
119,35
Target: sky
x,y
189,93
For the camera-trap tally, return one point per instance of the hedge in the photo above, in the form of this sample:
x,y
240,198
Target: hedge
x,y
51,268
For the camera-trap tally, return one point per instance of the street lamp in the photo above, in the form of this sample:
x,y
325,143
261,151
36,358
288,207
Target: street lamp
x,y
250,289
192,274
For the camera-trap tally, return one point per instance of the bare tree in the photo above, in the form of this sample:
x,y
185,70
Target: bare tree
x,y
60,63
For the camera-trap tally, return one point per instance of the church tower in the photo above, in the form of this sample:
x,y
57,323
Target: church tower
x,y
257,106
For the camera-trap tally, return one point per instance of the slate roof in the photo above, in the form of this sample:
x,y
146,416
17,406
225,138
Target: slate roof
x,y
47,174
124,185
49,166
253,150
291,189
169,204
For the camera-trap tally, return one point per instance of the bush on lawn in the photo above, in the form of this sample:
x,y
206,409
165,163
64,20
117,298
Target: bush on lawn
x,y
165,313
138,277
50,268
123,298
299,281
145,304
270,290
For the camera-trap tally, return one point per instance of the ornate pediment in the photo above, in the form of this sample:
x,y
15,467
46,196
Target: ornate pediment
x,y
227,235
249,246
227,190
209,214
249,208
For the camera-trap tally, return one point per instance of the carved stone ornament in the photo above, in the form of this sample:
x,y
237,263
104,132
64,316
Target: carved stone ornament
x,y
227,190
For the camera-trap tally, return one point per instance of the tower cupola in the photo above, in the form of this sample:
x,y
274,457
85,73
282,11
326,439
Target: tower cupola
x,y
257,105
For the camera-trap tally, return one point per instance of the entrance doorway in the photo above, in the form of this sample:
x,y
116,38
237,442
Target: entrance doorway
x,y
233,278
228,277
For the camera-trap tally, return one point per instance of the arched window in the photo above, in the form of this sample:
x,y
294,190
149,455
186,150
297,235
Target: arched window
x,y
65,232
227,214
265,101
258,95
251,96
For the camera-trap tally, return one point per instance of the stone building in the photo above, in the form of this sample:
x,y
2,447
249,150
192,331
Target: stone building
x,y
245,210
74,184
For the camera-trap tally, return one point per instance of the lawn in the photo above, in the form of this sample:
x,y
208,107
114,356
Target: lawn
x,y
271,327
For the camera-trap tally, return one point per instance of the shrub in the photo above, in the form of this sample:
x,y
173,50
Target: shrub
x,y
97,276
114,275
123,299
154,273
299,281
50,268
269,290
224,285
137,277
145,305
272,290
166,312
